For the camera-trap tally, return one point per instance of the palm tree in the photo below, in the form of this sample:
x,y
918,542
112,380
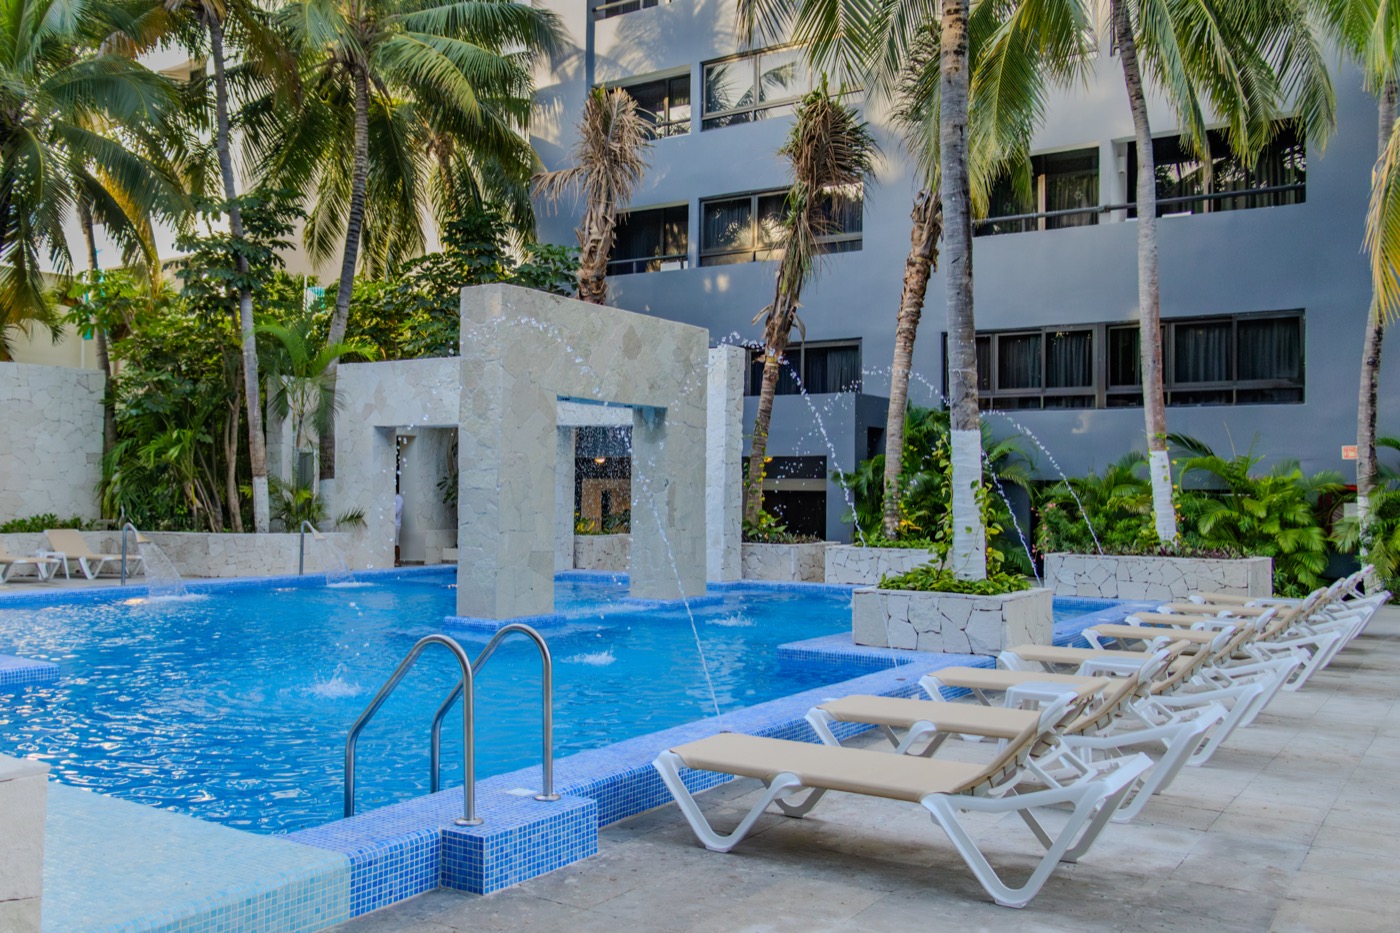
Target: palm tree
x,y
60,93
1241,57
1374,41
403,66
831,156
609,160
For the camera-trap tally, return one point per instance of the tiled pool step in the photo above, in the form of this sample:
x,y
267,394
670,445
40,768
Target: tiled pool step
x,y
23,672
111,866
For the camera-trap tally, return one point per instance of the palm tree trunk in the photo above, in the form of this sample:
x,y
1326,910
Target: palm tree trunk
x,y
1371,359
775,346
104,358
235,514
257,442
922,259
969,553
1149,298
354,228
595,244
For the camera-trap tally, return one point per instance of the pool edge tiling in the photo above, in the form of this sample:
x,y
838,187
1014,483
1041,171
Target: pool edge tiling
x,y
119,867
24,672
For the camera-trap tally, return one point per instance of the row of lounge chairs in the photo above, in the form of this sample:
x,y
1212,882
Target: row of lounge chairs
x,y
68,551
1097,729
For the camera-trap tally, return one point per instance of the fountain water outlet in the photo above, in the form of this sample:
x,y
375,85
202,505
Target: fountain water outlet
x,y
301,545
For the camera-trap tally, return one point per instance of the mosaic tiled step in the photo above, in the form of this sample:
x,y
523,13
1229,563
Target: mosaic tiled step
x,y
22,672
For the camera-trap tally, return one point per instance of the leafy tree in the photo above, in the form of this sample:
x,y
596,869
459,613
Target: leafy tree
x,y
380,76
830,154
297,365
610,158
60,96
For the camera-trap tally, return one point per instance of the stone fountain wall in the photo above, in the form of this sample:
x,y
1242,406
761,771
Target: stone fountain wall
x,y
1093,576
50,440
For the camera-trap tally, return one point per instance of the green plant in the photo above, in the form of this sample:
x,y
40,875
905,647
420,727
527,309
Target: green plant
x,y
293,504
768,529
37,524
1112,512
931,579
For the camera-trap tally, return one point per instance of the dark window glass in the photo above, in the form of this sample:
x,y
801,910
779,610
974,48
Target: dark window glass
x,y
1124,356
650,241
984,364
1271,349
824,369
1018,362
619,7
665,104
1183,181
1202,352
1069,360
750,228
754,86
1058,181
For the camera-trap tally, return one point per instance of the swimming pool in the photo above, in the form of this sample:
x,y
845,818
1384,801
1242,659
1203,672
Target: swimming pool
x,y
234,706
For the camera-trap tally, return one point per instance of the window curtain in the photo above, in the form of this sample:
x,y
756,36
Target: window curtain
x,y
1202,353
727,225
1069,360
1018,362
831,369
1271,349
1071,192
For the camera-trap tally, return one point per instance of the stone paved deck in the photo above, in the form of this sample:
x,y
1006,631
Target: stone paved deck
x,y
1291,827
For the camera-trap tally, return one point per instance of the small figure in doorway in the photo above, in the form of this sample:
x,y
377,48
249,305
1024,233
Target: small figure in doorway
x,y
398,524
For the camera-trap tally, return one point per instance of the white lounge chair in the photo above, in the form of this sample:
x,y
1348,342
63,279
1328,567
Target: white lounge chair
x,y
943,788
43,567
70,542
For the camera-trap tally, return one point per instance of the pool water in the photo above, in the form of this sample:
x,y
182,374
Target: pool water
x,y
234,707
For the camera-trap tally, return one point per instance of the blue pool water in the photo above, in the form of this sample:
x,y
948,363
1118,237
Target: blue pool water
x,y
234,707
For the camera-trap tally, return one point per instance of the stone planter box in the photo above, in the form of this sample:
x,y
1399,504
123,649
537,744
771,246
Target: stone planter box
x,y
602,552
950,622
1166,578
785,563
864,566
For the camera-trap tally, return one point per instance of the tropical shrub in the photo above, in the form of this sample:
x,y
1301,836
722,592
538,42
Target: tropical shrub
x,y
767,528
37,524
931,579
1382,543
926,497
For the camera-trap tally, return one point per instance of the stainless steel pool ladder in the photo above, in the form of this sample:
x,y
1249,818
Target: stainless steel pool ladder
x,y
466,690
301,545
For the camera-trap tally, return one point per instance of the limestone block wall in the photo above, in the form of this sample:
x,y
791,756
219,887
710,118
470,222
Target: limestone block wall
x,y
951,622
1129,577
203,554
50,440
602,552
865,566
785,563
23,801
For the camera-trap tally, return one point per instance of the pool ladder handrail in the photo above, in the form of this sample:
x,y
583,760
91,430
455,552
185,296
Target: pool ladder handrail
x,y
466,689
547,707
132,528
301,544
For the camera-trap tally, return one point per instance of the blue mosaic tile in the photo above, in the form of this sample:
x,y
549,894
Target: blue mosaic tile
x,y
523,839
23,672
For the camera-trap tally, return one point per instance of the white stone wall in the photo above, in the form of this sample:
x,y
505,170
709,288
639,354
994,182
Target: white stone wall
x,y
50,440
785,563
429,523
724,475
953,623
23,804
865,566
602,552
1166,578
196,554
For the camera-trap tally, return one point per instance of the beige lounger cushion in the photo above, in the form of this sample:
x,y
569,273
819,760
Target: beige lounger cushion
x,y
992,721
71,543
1198,608
1227,599
1149,632
852,770
986,678
1054,654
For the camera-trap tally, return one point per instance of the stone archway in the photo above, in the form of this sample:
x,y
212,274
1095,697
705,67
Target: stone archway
x,y
522,352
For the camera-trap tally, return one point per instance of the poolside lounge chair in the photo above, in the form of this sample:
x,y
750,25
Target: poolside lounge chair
x,y
944,788
70,542
43,567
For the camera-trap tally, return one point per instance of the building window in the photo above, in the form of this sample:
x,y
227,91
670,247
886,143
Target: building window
x,y
754,86
824,369
664,103
1064,192
650,241
1246,359
1277,177
748,228
618,7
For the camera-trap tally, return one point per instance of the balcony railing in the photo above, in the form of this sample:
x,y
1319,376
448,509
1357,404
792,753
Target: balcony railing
x,y
1132,205
619,7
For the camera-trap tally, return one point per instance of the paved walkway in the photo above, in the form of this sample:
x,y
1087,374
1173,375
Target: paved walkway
x,y
1292,826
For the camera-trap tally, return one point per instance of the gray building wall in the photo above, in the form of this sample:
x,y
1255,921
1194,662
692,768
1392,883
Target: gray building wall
x,y
1299,256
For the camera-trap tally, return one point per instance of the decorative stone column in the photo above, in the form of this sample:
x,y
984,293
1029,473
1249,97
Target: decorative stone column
x,y
724,450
